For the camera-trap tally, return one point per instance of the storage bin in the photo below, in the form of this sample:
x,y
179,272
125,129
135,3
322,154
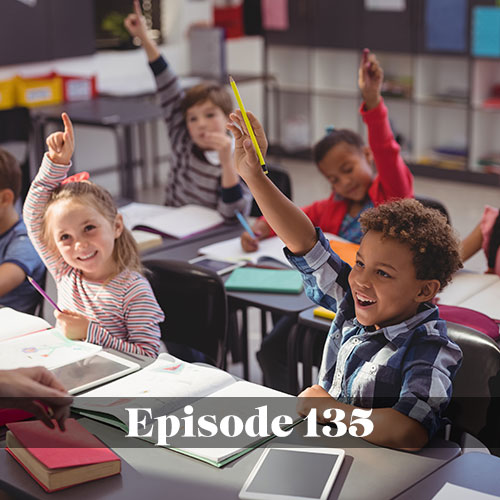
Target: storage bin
x,y
39,91
7,94
78,88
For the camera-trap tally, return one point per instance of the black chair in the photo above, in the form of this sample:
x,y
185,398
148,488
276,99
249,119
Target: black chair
x,y
195,306
15,127
281,180
475,403
429,202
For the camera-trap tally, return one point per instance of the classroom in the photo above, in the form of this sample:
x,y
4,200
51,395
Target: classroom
x,y
250,249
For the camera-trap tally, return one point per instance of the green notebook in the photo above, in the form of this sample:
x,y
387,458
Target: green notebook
x,y
253,279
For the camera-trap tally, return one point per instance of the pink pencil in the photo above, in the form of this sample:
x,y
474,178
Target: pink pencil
x,y
43,292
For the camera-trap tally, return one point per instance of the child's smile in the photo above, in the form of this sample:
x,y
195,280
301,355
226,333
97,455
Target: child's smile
x,y
85,238
383,281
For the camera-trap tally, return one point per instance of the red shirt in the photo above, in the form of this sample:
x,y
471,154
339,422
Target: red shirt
x,y
393,180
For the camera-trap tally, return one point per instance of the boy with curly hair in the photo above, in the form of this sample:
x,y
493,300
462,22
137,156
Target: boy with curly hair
x,y
387,348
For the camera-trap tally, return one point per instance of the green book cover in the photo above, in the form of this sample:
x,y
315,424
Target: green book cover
x,y
253,279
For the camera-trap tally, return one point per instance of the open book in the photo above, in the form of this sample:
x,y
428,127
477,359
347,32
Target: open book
x,y
27,341
480,292
167,386
169,221
271,248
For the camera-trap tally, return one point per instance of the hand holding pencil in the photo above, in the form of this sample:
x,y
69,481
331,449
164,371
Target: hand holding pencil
x,y
245,157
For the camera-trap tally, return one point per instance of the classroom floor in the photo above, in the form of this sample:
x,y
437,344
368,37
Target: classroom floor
x,y
464,202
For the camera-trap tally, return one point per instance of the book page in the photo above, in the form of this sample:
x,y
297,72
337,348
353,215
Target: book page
x,y
49,348
15,323
464,286
135,214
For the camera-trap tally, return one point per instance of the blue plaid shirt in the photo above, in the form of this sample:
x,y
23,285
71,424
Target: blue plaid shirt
x,y
408,366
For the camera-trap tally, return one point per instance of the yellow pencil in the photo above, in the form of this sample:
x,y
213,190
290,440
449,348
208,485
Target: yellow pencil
x,y
247,123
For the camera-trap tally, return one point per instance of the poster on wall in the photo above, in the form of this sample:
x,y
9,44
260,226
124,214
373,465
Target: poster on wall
x,y
387,5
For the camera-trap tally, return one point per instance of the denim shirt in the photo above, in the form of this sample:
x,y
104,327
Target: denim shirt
x,y
408,366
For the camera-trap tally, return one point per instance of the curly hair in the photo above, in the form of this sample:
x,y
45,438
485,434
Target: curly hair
x,y
433,242
125,251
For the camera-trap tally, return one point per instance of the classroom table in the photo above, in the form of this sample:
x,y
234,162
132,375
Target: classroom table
x,y
120,115
470,476
290,304
368,471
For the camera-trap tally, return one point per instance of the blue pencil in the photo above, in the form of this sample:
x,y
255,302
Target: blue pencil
x,y
245,224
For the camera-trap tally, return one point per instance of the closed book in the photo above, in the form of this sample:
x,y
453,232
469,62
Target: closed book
x,y
252,279
56,459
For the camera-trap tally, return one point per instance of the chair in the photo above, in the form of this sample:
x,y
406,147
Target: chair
x,y
195,306
429,202
475,403
282,181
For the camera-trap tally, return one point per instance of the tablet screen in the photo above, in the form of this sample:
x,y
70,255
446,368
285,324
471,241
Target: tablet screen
x,y
213,265
92,371
291,473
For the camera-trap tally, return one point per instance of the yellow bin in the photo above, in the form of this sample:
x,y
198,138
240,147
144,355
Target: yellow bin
x,y
7,94
40,91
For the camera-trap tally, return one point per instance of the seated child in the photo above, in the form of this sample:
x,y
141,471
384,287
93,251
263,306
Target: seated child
x,y
202,170
485,235
347,163
387,349
18,258
93,258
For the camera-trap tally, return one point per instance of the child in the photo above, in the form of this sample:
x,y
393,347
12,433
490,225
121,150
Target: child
x,y
202,169
18,258
93,258
387,348
346,162
486,235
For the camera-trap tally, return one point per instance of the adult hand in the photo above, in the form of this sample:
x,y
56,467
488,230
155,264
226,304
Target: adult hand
x,y
35,390
62,144
73,325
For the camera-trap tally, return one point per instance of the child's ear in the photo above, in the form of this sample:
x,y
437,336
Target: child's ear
x,y
428,290
118,225
6,196
367,153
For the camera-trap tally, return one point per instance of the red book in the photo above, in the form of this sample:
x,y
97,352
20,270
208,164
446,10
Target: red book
x,y
57,459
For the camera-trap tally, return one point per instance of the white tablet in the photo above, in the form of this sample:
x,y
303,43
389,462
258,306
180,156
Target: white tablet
x,y
93,371
293,474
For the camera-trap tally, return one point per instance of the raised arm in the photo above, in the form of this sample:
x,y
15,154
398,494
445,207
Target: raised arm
x,y
136,26
286,219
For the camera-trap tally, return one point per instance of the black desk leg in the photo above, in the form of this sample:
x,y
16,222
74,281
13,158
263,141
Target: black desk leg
x,y
293,358
143,160
125,159
155,153
244,343
307,357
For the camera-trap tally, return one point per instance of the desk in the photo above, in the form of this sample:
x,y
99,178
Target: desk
x,y
119,115
275,302
474,471
368,471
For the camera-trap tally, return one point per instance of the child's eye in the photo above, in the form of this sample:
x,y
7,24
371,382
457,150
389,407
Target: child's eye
x,y
347,169
210,115
333,180
192,119
383,273
89,227
63,237
359,264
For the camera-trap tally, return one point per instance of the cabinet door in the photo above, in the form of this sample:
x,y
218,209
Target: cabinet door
x,y
336,24
299,32
73,28
24,32
387,30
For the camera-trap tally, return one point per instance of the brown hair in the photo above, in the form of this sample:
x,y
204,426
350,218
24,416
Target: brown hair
x,y
207,91
10,173
433,242
335,137
125,251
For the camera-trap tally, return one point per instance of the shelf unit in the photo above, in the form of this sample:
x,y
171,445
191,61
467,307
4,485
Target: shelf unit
x,y
314,65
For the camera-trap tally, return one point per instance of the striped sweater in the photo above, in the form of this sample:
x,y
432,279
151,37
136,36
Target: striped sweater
x,y
123,312
192,179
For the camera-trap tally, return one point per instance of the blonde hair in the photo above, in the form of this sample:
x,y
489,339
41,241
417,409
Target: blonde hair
x,y
125,251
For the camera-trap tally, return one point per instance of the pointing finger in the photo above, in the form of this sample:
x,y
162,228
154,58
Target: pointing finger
x,y
68,126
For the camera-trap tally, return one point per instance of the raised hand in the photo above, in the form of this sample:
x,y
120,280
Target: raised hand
x,y
245,157
62,144
135,23
370,79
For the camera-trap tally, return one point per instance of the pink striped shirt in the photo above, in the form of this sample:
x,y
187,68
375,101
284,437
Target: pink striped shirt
x,y
123,312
